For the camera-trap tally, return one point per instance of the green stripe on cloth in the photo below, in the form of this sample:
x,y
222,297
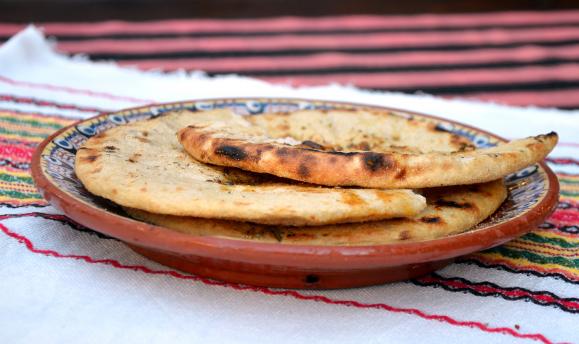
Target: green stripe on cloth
x,y
21,133
15,179
568,181
533,257
569,194
19,195
30,122
552,241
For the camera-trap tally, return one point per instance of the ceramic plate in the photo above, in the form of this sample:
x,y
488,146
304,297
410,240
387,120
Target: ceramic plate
x,y
533,194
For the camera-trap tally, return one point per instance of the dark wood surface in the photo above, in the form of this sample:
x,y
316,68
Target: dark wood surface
x,y
95,10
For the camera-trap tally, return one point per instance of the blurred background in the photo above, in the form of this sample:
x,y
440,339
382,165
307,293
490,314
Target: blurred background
x,y
72,10
508,51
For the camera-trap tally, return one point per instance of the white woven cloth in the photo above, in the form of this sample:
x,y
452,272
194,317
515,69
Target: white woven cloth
x,y
59,285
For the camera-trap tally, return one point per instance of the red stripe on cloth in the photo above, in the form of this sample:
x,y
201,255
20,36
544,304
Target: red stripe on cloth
x,y
37,114
505,265
300,24
568,175
47,103
17,142
565,217
563,161
334,60
58,217
463,77
547,98
528,268
16,153
282,42
72,90
290,293
490,289
570,144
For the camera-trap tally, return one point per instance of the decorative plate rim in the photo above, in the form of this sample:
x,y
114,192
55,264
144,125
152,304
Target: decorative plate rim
x,y
140,233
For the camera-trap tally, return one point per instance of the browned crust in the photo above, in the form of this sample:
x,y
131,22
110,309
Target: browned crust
x,y
366,169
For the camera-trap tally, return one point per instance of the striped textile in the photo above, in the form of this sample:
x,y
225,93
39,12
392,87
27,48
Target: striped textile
x,y
518,58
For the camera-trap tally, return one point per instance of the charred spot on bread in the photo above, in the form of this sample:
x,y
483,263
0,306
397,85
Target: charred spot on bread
x,y
312,144
283,152
231,152
473,188
540,138
303,170
376,161
333,152
401,174
452,204
134,158
430,219
404,235
464,147
90,158
266,147
277,233
363,146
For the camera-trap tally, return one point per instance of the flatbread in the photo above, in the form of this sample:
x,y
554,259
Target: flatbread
x,y
426,160
450,210
142,165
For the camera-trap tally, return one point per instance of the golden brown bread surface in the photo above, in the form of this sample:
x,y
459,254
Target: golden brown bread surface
x,y
450,210
358,130
366,149
142,165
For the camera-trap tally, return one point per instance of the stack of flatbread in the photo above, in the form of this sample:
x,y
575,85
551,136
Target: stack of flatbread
x,y
308,177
